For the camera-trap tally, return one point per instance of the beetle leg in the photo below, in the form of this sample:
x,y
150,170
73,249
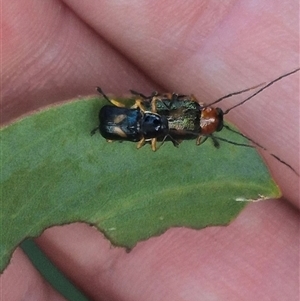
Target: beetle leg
x,y
141,143
175,142
153,144
93,132
198,140
112,101
215,141
154,93
139,104
153,105
117,103
193,98
139,94
171,98
102,93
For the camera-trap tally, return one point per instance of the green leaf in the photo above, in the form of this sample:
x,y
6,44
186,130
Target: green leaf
x,y
54,172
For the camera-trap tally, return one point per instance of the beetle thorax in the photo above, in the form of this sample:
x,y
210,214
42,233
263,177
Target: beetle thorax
x,y
210,120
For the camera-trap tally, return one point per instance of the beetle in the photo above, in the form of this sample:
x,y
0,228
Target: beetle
x,y
171,116
190,119
130,124
187,118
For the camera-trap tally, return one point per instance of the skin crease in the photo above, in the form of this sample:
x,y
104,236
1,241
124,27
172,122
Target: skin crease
x,y
57,50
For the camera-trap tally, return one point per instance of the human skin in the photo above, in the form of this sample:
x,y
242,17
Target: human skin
x,y
54,50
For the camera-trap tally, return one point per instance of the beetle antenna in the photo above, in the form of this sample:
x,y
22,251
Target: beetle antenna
x,y
261,89
232,94
257,144
234,143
